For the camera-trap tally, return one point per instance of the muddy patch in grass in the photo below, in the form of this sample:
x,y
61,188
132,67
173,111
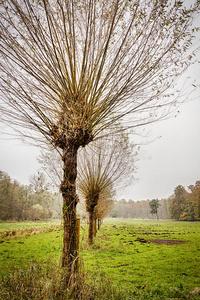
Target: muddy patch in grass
x,y
159,242
167,242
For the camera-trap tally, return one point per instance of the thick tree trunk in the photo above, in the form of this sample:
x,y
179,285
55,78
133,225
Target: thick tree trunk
x,y
70,144
68,189
91,227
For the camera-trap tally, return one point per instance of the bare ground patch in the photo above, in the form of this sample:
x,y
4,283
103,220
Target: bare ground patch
x,y
159,242
167,242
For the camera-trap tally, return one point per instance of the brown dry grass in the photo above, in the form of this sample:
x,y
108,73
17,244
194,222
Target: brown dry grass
x,y
10,234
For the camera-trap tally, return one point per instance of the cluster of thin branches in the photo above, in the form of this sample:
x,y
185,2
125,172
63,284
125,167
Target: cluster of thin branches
x,y
72,68
104,163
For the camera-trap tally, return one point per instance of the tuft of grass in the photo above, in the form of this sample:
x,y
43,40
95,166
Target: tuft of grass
x,y
42,283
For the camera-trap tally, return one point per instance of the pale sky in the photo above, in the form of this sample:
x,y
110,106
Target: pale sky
x,y
163,164
170,160
174,158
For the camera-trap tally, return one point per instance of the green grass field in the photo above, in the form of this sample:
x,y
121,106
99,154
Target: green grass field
x,y
126,252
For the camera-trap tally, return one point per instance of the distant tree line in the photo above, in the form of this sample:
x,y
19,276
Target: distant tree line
x,y
36,202
139,209
185,206
182,206
31,202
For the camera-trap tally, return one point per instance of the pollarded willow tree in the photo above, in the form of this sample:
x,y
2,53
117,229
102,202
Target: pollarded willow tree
x,y
70,69
103,166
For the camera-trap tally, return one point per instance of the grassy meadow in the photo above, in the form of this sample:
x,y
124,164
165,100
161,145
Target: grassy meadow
x,y
130,259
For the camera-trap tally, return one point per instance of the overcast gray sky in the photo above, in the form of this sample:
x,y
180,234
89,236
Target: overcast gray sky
x,y
163,164
172,159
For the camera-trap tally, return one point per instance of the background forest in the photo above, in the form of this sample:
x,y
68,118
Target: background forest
x,y
30,202
37,202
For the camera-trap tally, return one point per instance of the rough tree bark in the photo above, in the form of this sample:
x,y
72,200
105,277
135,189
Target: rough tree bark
x,y
91,227
70,148
68,189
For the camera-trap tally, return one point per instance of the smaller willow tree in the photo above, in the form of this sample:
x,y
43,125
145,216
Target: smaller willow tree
x,y
102,166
